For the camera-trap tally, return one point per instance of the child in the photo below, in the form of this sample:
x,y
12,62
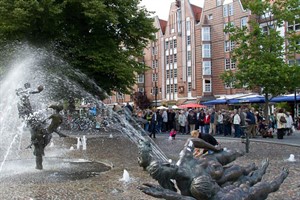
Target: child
x,y
197,151
173,133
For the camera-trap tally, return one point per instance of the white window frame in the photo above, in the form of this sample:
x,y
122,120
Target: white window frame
x,y
189,70
189,87
206,67
175,43
189,55
244,21
227,63
206,50
227,46
188,24
230,9
225,10
218,2
188,40
175,58
141,78
207,86
205,33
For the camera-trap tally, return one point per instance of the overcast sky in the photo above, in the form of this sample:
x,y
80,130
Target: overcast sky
x,y
162,7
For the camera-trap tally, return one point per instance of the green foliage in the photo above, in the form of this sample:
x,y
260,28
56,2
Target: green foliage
x,y
260,54
102,38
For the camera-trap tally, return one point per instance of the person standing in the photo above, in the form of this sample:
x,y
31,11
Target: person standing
x,y
213,121
192,120
289,123
236,123
153,124
165,121
220,125
250,119
182,122
281,123
201,121
207,122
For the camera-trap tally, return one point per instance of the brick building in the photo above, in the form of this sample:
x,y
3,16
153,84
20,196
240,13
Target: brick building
x,y
191,51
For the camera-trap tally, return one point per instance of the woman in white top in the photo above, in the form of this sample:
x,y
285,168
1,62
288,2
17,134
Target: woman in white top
x,y
281,123
236,124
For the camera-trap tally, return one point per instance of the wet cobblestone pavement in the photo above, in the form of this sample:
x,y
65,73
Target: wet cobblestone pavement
x,y
26,183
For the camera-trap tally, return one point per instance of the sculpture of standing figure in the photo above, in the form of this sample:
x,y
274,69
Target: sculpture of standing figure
x,y
40,134
24,106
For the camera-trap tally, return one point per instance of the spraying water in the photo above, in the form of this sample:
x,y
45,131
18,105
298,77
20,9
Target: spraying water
x,y
39,67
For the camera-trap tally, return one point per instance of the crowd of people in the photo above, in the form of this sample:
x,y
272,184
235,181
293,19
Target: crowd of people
x,y
233,123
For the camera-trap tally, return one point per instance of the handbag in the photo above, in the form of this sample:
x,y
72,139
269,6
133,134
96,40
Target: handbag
x,y
282,119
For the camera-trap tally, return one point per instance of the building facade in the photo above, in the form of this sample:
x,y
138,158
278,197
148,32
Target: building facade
x,y
191,51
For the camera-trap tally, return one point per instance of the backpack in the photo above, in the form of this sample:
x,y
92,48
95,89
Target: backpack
x,y
282,119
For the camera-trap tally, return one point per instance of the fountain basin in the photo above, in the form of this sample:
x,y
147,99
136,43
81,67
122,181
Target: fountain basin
x,y
55,170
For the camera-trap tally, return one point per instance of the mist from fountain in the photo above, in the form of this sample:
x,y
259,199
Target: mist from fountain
x,y
41,67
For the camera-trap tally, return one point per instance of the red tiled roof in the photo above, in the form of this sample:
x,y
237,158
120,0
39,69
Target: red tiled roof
x,y
197,12
163,25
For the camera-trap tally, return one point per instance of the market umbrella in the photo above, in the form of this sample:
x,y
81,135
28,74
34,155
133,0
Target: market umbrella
x,y
161,107
192,105
175,107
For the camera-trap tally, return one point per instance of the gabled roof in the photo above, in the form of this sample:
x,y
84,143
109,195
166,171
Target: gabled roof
x,y
197,12
163,25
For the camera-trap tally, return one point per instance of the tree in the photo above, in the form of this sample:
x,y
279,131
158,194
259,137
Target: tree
x,y
260,50
102,38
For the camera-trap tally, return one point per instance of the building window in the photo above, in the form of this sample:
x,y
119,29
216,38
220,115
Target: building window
x,y
225,10
189,71
244,21
140,78
175,43
294,26
210,17
154,77
167,59
171,58
189,55
205,33
175,73
293,62
219,2
207,85
171,88
141,90
232,44
175,58
120,95
206,51
230,9
171,73
156,63
171,44
206,67
168,88
189,86
168,74
188,25
227,64
175,88
227,46
188,40
232,64
167,45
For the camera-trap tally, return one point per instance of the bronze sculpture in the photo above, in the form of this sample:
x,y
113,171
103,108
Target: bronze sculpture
x,y
209,177
40,134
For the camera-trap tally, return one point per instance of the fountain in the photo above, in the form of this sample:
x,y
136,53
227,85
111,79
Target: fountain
x,y
40,67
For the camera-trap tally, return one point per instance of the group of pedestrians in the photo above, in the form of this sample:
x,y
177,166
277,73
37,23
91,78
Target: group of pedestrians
x,y
233,123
